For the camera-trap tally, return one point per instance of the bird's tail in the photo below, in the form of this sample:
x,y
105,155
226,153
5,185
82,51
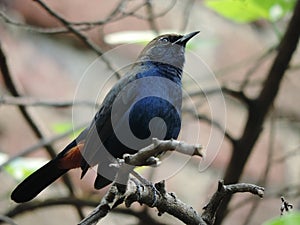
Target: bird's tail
x,y
68,159
37,182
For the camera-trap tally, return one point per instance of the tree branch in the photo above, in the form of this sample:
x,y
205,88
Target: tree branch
x,y
156,196
78,34
216,124
82,26
42,143
118,13
142,156
260,106
29,101
144,192
36,205
150,195
239,95
7,220
227,190
151,18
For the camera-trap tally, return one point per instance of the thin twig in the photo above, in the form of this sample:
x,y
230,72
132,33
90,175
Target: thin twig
x,y
82,37
30,101
214,123
258,62
240,95
42,143
146,17
82,26
227,70
54,30
237,94
114,16
151,17
54,202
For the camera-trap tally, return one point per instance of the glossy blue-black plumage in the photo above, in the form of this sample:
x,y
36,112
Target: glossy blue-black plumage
x,y
148,102
145,103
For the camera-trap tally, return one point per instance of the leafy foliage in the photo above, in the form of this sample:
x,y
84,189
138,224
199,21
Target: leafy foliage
x,y
244,11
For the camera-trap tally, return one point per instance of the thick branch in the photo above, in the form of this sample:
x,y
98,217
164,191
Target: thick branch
x,y
259,107
152,196
155,196
144,192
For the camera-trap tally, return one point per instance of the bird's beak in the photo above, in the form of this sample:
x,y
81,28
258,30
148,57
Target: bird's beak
x,y
183,40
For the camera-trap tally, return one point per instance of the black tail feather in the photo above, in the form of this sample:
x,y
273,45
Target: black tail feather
x,y
101,182
37,182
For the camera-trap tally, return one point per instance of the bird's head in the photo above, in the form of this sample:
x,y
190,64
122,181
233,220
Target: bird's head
x,y
167,49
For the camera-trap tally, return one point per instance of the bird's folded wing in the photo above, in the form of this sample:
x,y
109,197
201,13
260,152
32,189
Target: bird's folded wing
x,y
101,127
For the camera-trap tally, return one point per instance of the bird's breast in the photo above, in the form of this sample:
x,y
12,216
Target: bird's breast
x,y
153,116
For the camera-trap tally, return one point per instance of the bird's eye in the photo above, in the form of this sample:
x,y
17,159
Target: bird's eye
x,y
164,40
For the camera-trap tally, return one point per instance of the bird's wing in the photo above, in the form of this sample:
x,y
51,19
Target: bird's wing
x,y
101,128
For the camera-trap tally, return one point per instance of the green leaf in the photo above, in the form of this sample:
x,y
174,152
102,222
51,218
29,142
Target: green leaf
x,y
244,11
288,219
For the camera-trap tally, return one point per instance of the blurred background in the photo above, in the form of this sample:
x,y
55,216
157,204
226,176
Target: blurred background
x,y
52,51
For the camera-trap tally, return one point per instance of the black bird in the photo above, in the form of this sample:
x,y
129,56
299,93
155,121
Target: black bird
x,y
145,103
